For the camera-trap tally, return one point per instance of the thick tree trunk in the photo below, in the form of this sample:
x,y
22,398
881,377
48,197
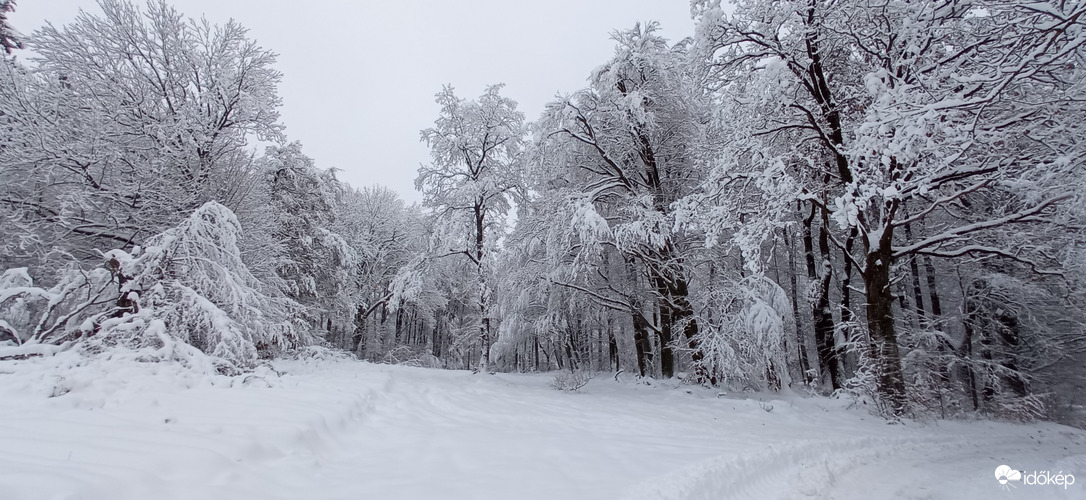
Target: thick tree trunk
x,y
667,273
536,354
880,322
675,309
933,291
571,359
641,343
398,335
641,327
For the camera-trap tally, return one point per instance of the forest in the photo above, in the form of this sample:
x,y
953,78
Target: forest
x,y
876,200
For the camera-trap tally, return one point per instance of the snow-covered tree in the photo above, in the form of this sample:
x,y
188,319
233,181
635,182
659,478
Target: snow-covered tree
x,y
389,237
475,149
9,40
316,264
620,153
126,121
188,285
913,114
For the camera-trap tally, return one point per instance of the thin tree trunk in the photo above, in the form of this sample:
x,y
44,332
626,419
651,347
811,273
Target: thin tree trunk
x,y
826,329
612,344
820,310
846,303
801,344
914,270
397,334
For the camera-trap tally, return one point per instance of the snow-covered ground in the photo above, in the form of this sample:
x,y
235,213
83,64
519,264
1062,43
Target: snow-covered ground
x,y
349,430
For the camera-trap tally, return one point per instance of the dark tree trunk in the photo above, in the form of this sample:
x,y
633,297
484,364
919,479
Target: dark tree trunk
x,y
641,326
667,352
612,346
667,273
570,357
641,343
825,329
398,337
537,354
846,299
933,291
914,270
820,308
880,321
969,318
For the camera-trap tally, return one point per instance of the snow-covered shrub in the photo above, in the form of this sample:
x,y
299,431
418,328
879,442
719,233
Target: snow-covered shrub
x,y
927,366
417,356
187,290
1023,345
862,387
742,333
569,381
193,279
31,314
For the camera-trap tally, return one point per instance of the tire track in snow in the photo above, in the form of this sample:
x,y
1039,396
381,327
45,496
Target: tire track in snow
x,y
785,470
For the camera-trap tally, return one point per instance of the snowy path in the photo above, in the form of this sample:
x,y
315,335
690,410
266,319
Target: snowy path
x,y
348,430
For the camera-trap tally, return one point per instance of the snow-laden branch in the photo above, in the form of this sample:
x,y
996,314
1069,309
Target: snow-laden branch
x,y
961,231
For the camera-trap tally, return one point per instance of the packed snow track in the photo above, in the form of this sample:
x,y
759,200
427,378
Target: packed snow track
x,y
348,430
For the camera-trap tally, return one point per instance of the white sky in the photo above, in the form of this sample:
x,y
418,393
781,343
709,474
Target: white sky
x,y
359,76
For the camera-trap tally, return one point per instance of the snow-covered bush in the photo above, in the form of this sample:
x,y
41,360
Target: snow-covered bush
x,y
187,286
927,365
31,314
569,381
862,387
406,355
742,334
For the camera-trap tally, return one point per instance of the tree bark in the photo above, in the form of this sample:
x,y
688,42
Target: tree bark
x,y
914,269
880,321
641,327
846,302
969,318
801,344
820,307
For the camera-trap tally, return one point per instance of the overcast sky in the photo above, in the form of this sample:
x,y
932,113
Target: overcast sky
x,y
359,77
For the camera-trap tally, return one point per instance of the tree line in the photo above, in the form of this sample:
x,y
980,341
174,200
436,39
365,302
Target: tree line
x,y
881,199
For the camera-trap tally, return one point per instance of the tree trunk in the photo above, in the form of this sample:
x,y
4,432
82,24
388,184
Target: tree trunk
x,y
820,307
398,336
969,318
537,354
612,345
846,302
641,343
914,269
640,325
801,344
880,323
826,328
667,352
